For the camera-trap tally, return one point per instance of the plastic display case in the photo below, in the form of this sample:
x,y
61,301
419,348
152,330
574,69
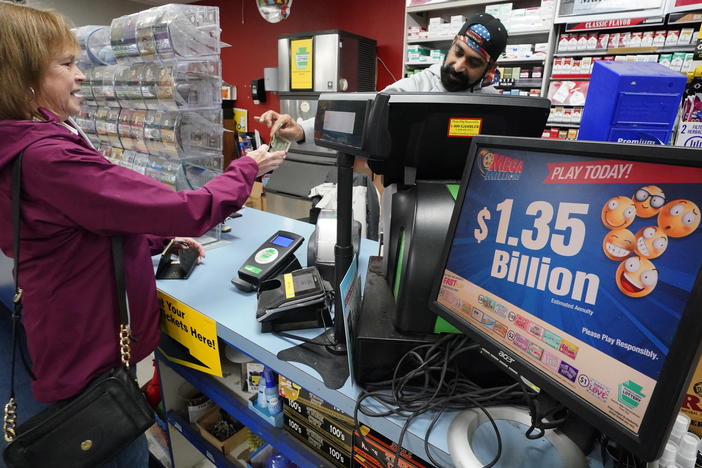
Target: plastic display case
x,y
174,85
166,32
95,46
174,135
102,85
156,95
189,85
127,83
86,119
86,89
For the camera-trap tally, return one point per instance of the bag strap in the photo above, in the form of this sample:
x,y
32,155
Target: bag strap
x,y
122,304
10,418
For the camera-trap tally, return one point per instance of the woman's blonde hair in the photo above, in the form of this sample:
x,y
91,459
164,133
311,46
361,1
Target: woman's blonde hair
x,y
29,39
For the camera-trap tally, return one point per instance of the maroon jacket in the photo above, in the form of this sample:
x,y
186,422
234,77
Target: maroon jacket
x,y
73,200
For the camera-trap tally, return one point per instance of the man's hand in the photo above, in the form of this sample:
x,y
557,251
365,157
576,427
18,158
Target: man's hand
x,y
282,124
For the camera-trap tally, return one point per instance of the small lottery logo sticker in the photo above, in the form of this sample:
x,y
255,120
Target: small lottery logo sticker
x,y
583,380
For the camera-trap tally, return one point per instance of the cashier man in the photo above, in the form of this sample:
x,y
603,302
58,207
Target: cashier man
x,y
471,58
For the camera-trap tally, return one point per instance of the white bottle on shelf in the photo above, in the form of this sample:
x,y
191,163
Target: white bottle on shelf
x,y
680,427
687,450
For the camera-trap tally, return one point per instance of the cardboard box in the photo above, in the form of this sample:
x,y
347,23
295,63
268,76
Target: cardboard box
x,y
664,59
294,392
255,199
591,41
205,424
687,63
692,404
625,39
613,41
685,36
374,449
676,62
602,41
298,429
671,39
636,38
563,42
659,38
582,42
690,135
339,433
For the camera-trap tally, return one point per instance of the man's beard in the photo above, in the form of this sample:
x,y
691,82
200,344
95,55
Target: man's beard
x,y
454,81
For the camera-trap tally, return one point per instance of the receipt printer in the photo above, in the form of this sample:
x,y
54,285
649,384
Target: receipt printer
x,y
295,300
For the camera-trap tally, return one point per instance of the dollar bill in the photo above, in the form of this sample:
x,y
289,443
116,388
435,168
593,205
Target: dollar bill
x,y
279,144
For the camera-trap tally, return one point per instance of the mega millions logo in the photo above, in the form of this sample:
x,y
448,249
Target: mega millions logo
x,y
495,166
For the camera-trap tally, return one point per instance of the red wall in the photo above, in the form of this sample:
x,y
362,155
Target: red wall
x,y
254,44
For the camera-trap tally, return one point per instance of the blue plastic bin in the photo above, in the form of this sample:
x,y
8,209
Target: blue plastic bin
x,y
631,102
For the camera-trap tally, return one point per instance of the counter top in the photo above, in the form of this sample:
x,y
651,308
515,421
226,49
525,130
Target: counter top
x,y
209,291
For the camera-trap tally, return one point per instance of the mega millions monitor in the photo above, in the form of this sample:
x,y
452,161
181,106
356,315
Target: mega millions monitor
x,y
577,265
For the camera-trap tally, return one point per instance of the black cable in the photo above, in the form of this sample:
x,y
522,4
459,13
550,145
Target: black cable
x,y
427,378
621,458
541,420
299,338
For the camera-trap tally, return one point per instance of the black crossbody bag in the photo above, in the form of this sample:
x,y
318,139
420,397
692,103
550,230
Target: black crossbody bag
x,y
93,426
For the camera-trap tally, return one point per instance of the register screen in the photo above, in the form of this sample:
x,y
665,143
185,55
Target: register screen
x,y
337,121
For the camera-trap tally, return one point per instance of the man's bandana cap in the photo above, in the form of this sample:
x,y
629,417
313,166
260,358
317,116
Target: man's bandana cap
x,y
475,37
485,34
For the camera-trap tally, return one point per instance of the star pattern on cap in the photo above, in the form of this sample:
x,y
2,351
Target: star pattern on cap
x,y
481,30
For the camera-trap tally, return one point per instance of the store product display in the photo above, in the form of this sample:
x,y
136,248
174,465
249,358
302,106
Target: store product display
x,y
102,419
156,99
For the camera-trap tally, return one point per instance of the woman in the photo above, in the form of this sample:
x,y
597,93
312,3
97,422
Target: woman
x,y
73,200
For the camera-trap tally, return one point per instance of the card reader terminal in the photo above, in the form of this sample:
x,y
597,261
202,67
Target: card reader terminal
x,y
275,256
295,300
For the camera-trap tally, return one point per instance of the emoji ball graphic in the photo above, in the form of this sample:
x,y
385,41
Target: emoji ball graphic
x,y
619,212
648,201
636,276
618,244
651,242
679,218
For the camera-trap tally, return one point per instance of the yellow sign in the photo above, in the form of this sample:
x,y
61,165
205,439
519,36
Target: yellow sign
x,y
464,127
241,119
193,337
289,287
301,64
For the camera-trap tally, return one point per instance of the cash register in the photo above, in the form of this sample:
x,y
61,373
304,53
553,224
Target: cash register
x,y
419,143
